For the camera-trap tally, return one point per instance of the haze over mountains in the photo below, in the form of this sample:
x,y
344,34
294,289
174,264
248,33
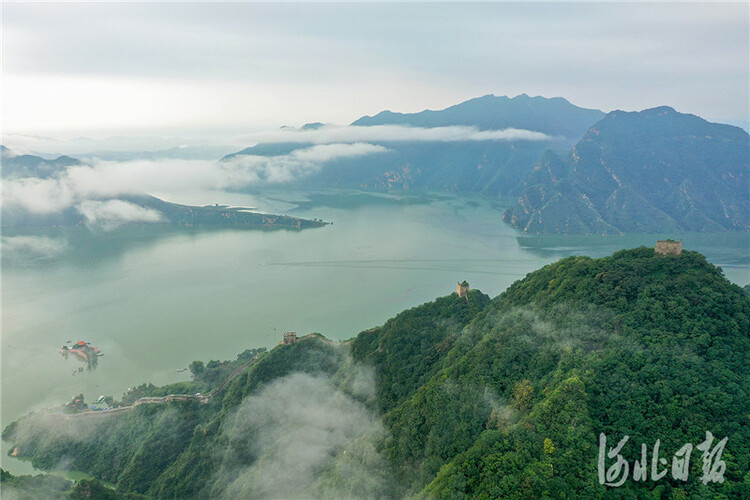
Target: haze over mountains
x,y
47,178
575,170
554,117
24,165
484,145
653,171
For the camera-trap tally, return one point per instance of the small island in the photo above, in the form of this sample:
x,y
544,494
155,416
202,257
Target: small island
x,y
219,215
84,352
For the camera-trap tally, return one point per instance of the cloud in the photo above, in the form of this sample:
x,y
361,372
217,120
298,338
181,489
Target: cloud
x,y
110,179
32,246
391,133
43,429
36,195
304,437
113,213
306,60
28,486
250,169
105,179
88,147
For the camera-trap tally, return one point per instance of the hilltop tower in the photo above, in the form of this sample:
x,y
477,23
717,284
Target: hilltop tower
x,y
290,338
668,247
462,289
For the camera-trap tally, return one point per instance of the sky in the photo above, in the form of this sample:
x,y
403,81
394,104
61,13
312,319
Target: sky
x,y
217,71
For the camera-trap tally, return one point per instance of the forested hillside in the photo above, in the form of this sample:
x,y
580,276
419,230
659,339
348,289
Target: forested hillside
x,y
501,398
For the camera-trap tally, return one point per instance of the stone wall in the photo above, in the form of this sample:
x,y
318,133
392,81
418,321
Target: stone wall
x,y
668,247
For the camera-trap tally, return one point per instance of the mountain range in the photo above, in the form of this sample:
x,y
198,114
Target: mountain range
x,y
19,166
490,167
574,170
554,116
651,171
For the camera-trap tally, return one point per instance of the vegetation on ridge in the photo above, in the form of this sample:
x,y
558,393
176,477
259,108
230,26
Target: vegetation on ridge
x,y
495,399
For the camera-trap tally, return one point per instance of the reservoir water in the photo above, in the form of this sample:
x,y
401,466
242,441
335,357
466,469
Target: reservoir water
x,y
153,299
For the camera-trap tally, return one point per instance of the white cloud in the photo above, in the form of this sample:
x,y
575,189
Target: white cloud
x,y
391,133
308,426
113,213
39,196
32,246
251,169
257,64
110,179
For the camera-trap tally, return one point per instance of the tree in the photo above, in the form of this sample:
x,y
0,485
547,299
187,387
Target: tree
x,y
196,368
523,393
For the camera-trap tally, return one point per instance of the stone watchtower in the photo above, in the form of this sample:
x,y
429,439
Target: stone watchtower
x,y
462,289
668,247
290,338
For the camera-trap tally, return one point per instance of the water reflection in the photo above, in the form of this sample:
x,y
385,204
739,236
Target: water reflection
x,y
80,245
84,352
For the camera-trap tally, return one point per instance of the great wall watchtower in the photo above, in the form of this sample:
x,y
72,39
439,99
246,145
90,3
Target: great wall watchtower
x,y
462,289
668,247
290,338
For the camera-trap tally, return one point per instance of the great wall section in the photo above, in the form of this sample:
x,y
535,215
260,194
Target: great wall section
x,y
200,398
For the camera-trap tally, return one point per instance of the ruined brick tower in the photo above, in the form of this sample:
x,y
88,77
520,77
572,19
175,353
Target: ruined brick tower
x,y
290,338
462,289
668,247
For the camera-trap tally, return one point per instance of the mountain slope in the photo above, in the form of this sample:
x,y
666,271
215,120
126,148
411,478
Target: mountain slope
x,y
651,171
500,399
491,167
624,345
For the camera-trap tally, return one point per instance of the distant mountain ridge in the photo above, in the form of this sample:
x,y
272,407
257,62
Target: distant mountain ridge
x,y
651,171
490,167
657,170
552,116
32,166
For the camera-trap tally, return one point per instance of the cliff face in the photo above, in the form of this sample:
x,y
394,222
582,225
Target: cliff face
x,y
652,171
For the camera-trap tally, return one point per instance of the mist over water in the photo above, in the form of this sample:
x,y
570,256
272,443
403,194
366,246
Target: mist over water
x,y
153,299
